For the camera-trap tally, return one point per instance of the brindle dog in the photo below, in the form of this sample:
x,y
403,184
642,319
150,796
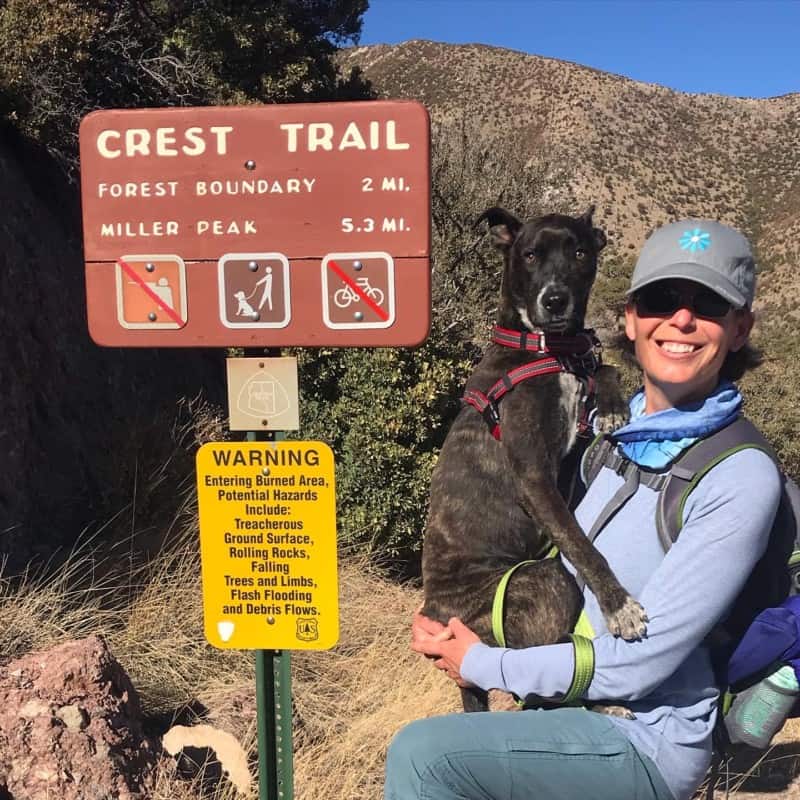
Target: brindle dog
x,y
495,503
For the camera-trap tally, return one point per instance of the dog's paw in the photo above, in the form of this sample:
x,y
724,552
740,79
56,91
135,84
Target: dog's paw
x,y
502,701
613,711
611,417
629,621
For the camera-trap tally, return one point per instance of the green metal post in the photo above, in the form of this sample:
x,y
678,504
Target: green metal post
x,y
267,727
273,706
283,701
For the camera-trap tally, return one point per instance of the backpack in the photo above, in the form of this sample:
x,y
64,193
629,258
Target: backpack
x,y
774,578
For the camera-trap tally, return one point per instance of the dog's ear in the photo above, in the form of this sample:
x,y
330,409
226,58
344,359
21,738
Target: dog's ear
x,y
503,226
599,237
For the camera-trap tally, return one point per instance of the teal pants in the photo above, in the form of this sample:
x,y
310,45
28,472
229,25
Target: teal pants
x,y
560,754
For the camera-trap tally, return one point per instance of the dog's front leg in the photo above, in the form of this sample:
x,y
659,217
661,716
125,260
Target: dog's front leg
x,y
624,616
537,493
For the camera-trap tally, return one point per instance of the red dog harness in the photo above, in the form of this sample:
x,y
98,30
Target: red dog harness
x,y
578,355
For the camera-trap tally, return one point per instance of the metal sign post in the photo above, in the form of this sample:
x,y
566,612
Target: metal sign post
x,y
274,711
274,723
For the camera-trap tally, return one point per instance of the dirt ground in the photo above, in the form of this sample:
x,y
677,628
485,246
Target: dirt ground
x,y
774,774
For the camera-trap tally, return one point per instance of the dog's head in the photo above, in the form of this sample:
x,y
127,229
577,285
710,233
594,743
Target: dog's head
x,y
550,265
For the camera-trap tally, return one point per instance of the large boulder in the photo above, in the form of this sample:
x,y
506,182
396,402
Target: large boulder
x,y
71,727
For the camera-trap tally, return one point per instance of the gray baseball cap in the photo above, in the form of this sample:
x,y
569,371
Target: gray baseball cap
x,y
703,251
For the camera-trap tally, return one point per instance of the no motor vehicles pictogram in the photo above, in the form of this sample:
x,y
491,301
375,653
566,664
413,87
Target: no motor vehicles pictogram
x,y
151,292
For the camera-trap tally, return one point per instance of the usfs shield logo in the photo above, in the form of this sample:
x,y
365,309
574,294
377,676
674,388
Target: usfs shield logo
x,y
307,629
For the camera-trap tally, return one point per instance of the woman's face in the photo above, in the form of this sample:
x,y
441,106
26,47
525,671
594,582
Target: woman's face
x,y
681,352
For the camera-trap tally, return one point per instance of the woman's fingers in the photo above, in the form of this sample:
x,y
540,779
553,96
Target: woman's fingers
x,y
423,627
427,646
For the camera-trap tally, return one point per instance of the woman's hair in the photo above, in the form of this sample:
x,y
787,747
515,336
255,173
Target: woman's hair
x,y
736,364
733,367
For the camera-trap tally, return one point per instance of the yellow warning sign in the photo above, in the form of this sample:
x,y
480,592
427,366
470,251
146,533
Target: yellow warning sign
x,y
268,545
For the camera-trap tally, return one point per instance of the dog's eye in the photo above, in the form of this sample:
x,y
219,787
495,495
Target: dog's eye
x,y
580,254
530,255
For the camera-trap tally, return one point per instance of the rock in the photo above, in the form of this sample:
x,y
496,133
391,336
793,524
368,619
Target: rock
x,y
73,716
71,727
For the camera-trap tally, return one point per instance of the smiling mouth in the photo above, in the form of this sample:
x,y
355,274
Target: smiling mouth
x,y
678,348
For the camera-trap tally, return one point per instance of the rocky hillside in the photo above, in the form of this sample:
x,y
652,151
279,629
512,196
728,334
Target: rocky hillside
x,y
644,153
86,433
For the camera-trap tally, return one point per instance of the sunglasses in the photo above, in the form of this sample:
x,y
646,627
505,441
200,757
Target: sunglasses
x,y
663,300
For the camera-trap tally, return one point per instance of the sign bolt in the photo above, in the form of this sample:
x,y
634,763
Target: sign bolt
x,y
150,267
252,266
265,422
359,315
255,316
357,265
270,620
261,365
250,164
152,316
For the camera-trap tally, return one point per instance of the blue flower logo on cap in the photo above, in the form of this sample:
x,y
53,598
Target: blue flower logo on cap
x,y
695,240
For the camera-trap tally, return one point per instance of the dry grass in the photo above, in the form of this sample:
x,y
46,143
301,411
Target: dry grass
x,y
348,702
352,700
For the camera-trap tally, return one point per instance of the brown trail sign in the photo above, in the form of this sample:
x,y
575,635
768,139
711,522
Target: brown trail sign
x,y
304,225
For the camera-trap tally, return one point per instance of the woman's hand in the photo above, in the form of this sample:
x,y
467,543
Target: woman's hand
x,y
446,645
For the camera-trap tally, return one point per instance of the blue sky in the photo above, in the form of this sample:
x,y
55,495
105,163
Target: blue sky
x,y
747,48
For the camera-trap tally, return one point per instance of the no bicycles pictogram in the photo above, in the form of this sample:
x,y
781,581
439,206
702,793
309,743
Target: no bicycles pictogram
x,y
358,290
350,294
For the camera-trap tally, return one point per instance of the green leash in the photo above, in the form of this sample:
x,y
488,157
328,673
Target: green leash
x,y
581,637
499,603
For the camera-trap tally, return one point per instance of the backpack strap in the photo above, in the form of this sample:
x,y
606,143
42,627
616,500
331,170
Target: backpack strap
x,y
791,493
690,467
594,457
604,452
633,475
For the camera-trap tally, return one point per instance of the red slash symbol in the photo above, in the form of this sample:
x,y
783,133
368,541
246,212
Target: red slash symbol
x,y
131,273
359,291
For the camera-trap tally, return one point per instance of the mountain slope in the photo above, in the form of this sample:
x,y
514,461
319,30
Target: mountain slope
x,y
643,153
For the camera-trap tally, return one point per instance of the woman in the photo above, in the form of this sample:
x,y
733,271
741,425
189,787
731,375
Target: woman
x,y
688,315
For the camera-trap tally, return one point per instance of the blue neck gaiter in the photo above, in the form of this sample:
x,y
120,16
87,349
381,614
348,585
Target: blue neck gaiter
x,y
654,440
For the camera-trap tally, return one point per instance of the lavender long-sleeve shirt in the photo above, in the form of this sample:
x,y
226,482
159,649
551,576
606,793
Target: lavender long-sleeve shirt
x,y
666,679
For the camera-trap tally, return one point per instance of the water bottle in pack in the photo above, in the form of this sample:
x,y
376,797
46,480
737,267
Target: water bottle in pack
x,y
759,712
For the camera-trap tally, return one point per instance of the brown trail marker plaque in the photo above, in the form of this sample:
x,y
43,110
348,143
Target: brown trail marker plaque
x,y
303,225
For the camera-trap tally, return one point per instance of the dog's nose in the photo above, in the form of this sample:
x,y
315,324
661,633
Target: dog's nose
x,y
555,301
